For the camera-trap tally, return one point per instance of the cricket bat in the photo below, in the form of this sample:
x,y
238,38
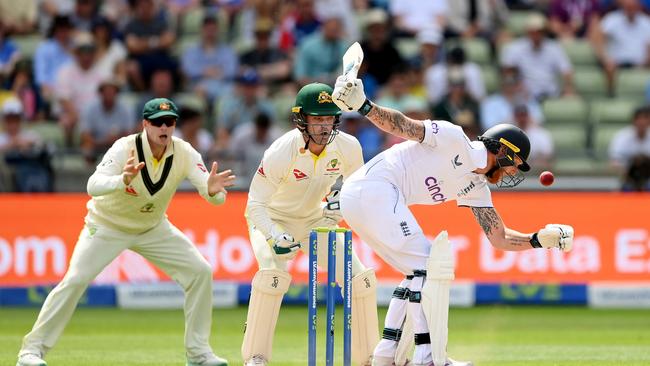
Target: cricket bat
x,y
352,60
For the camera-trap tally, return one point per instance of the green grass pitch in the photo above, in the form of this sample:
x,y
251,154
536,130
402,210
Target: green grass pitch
x,y
487,335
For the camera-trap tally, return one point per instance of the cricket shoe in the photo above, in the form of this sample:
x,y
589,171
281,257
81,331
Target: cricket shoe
x,y
30,359
207,359
449,362
257,360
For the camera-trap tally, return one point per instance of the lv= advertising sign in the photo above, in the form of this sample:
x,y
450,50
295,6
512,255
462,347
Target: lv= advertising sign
x,y
612,243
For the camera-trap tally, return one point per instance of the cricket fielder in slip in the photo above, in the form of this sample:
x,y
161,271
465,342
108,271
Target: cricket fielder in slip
x,y
285,203
437,164
131,190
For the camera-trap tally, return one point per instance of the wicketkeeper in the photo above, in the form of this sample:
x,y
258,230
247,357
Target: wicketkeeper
x,y
285,202
437,164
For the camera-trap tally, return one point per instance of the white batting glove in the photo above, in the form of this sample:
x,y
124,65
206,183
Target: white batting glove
x,y
332,208
555,236
283,243
348,95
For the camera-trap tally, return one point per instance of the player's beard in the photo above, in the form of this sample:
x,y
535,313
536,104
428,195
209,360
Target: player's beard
x,y
494,175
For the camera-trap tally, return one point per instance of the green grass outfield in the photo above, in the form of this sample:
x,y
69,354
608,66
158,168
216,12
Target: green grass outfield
x,y
487,335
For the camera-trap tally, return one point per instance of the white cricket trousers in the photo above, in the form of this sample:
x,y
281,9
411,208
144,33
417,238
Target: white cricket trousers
x,y
376,211
165,246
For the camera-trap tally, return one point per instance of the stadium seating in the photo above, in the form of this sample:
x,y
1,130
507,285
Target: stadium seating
x,y
49,132
607,117
516,23
490,79
580,52
191,21
590,82
632,83
566,119
27,44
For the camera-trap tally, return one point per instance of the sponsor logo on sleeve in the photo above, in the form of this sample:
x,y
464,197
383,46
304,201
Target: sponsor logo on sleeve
x,y
202,167
299,175
130,191
466,190
434,189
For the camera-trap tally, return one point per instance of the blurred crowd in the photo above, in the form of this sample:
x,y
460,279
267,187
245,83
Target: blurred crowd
x,y
74,75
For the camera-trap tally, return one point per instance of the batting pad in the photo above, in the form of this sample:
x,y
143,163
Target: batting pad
x,y
435,295
268,288
365,335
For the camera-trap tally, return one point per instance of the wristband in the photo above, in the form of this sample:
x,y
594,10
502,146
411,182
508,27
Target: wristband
x,y
534,242
365,107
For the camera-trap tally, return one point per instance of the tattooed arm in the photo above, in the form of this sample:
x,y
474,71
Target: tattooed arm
x,y
396,123
500,236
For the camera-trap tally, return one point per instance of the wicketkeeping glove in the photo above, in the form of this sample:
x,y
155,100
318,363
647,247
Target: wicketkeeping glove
x,y
332,208
283,244
348,95
554,236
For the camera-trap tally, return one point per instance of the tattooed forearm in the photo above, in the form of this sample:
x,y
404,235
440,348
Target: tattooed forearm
x,y
396,123
517,240
488,218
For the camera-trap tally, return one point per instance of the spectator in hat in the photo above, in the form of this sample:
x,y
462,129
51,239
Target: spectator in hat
x,y
436,76
500,107
24,151
208,65
51,54
149,40
541,61
104,120
542,150
458,106
77,83
430,42
190,128
629,151
271,63
380,56
242,106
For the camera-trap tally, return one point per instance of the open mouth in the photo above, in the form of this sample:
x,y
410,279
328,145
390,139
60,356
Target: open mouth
x,y
163,137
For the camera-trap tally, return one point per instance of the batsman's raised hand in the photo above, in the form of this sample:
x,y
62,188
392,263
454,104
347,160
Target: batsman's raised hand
x,y
131,168
217,182
348,95
555,236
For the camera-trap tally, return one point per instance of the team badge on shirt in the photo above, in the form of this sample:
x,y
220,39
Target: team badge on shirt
x,y
333,167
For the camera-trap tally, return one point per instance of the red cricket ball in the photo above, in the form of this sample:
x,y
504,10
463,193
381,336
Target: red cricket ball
x,y
546,178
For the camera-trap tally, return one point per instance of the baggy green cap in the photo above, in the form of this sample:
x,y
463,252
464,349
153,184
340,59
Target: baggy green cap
x,y
159,107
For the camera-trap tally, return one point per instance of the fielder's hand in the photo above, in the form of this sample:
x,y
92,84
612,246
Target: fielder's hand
x,y
348,94
217,182
283,244
332,208
131,169
555,236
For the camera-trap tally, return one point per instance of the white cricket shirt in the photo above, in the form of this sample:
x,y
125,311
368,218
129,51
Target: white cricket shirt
x,y
141,205
291,182
437,170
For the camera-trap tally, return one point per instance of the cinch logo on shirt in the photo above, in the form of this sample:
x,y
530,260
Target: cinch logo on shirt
x,y
434,189
299,175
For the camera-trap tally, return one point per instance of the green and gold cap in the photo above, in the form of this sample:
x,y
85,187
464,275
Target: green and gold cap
x,y
315,99
159,107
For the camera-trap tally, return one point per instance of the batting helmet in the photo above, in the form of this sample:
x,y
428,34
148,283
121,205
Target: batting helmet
x,y
513,138
315,99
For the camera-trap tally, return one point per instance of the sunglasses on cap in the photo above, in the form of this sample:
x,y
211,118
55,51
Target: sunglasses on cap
x,y
158,122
